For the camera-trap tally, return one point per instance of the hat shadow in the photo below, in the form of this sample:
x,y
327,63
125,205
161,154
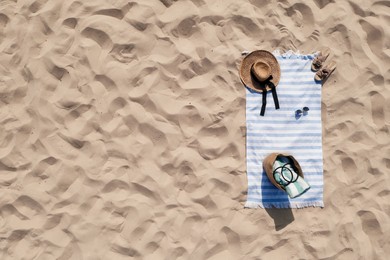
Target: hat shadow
x,y
282,216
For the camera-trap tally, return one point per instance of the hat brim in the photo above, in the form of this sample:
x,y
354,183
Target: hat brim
x,y
245,70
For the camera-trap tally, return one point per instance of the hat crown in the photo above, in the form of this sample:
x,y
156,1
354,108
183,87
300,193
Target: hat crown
x,y
261,70
255,76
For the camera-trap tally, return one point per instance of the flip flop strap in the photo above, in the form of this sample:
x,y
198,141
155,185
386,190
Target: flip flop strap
x,y
317,62
324,73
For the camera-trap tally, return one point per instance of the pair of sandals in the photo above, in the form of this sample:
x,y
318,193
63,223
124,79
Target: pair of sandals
x,y
323,71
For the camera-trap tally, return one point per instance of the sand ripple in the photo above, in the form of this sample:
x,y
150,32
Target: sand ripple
x,y
122,130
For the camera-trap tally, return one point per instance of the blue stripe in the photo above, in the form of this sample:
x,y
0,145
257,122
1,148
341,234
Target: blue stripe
x,y
259,174
276,128
272,187
278,193
300,57
274,193
292,90
286,108
296,147
293,56
290,101
283,135
261,148
288,82
292,105
301,141
281,96
266,150
294,70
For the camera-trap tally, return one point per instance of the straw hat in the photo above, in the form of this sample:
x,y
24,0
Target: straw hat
x,y
268,167
258,67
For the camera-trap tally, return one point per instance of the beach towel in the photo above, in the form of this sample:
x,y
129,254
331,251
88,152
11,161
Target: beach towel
x,y
285,131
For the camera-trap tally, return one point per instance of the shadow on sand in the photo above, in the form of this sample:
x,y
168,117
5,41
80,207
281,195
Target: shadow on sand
x,y
281,217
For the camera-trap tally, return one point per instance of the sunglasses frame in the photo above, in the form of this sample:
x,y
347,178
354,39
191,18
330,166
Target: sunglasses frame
x,y
289,180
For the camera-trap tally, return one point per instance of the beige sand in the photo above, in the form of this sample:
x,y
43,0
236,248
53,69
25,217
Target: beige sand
x,y
122,130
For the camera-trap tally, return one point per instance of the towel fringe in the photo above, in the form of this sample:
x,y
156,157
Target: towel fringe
x,y
290,54
280,205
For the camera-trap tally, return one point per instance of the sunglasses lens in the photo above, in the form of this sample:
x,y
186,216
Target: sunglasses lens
x,y
298,112
306,109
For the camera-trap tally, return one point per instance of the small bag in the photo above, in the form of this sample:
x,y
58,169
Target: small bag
x,y
286,174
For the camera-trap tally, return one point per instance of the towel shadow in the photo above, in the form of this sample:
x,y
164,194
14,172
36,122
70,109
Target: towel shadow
x,y
282,216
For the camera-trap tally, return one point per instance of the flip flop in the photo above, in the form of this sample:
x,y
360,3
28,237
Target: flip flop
x,y
320,59
325,72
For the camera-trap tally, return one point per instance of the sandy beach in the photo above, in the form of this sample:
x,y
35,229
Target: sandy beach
x,y
122,129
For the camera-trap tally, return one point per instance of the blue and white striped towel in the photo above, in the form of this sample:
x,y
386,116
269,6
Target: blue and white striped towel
x,y
280,131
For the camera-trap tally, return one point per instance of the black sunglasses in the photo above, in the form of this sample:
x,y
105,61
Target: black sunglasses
x,y
300,112
289,179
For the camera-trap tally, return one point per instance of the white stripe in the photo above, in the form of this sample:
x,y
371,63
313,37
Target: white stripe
x,y
287,136
288,124
283,196
283,144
